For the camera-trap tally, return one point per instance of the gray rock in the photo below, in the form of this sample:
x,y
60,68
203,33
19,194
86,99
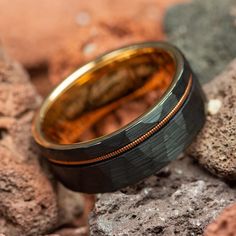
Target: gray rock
x,y
180,200
206,32
215,146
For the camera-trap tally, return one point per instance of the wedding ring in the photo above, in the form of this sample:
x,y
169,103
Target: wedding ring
x,y
120,118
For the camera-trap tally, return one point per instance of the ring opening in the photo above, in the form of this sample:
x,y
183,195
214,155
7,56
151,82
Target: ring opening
x,y
115,92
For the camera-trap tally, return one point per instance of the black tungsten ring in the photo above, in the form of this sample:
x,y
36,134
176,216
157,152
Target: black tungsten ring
x,y
87,158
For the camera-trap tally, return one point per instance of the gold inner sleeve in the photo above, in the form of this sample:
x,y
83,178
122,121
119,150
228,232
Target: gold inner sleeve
x,y
108,98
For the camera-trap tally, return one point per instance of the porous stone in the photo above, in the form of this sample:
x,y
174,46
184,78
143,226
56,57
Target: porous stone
x,y
206,32
180,200
225,223
30,201
215,146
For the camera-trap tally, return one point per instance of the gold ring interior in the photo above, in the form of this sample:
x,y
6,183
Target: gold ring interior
x,y
115,92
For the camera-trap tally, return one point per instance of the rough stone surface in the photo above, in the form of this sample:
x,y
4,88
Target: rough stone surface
x,y
206,32
225,223
180,200
215,146
26,24
30,201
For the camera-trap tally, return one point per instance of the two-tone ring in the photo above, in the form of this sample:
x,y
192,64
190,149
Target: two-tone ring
x,y
151,85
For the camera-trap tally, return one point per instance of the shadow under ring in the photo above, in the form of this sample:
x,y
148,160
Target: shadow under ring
x,y
71,125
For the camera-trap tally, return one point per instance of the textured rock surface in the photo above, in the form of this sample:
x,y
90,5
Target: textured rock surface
x,y
215,146
25,24
224,225
205,31
180,200
29,203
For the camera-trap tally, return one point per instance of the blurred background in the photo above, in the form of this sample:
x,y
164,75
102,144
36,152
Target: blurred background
x,y
51,38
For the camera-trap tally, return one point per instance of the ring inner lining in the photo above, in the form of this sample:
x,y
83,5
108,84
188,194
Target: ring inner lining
x,y
108,98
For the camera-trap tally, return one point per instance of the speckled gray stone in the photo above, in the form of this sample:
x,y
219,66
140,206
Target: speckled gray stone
x,y
215,146
180,200
206,32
